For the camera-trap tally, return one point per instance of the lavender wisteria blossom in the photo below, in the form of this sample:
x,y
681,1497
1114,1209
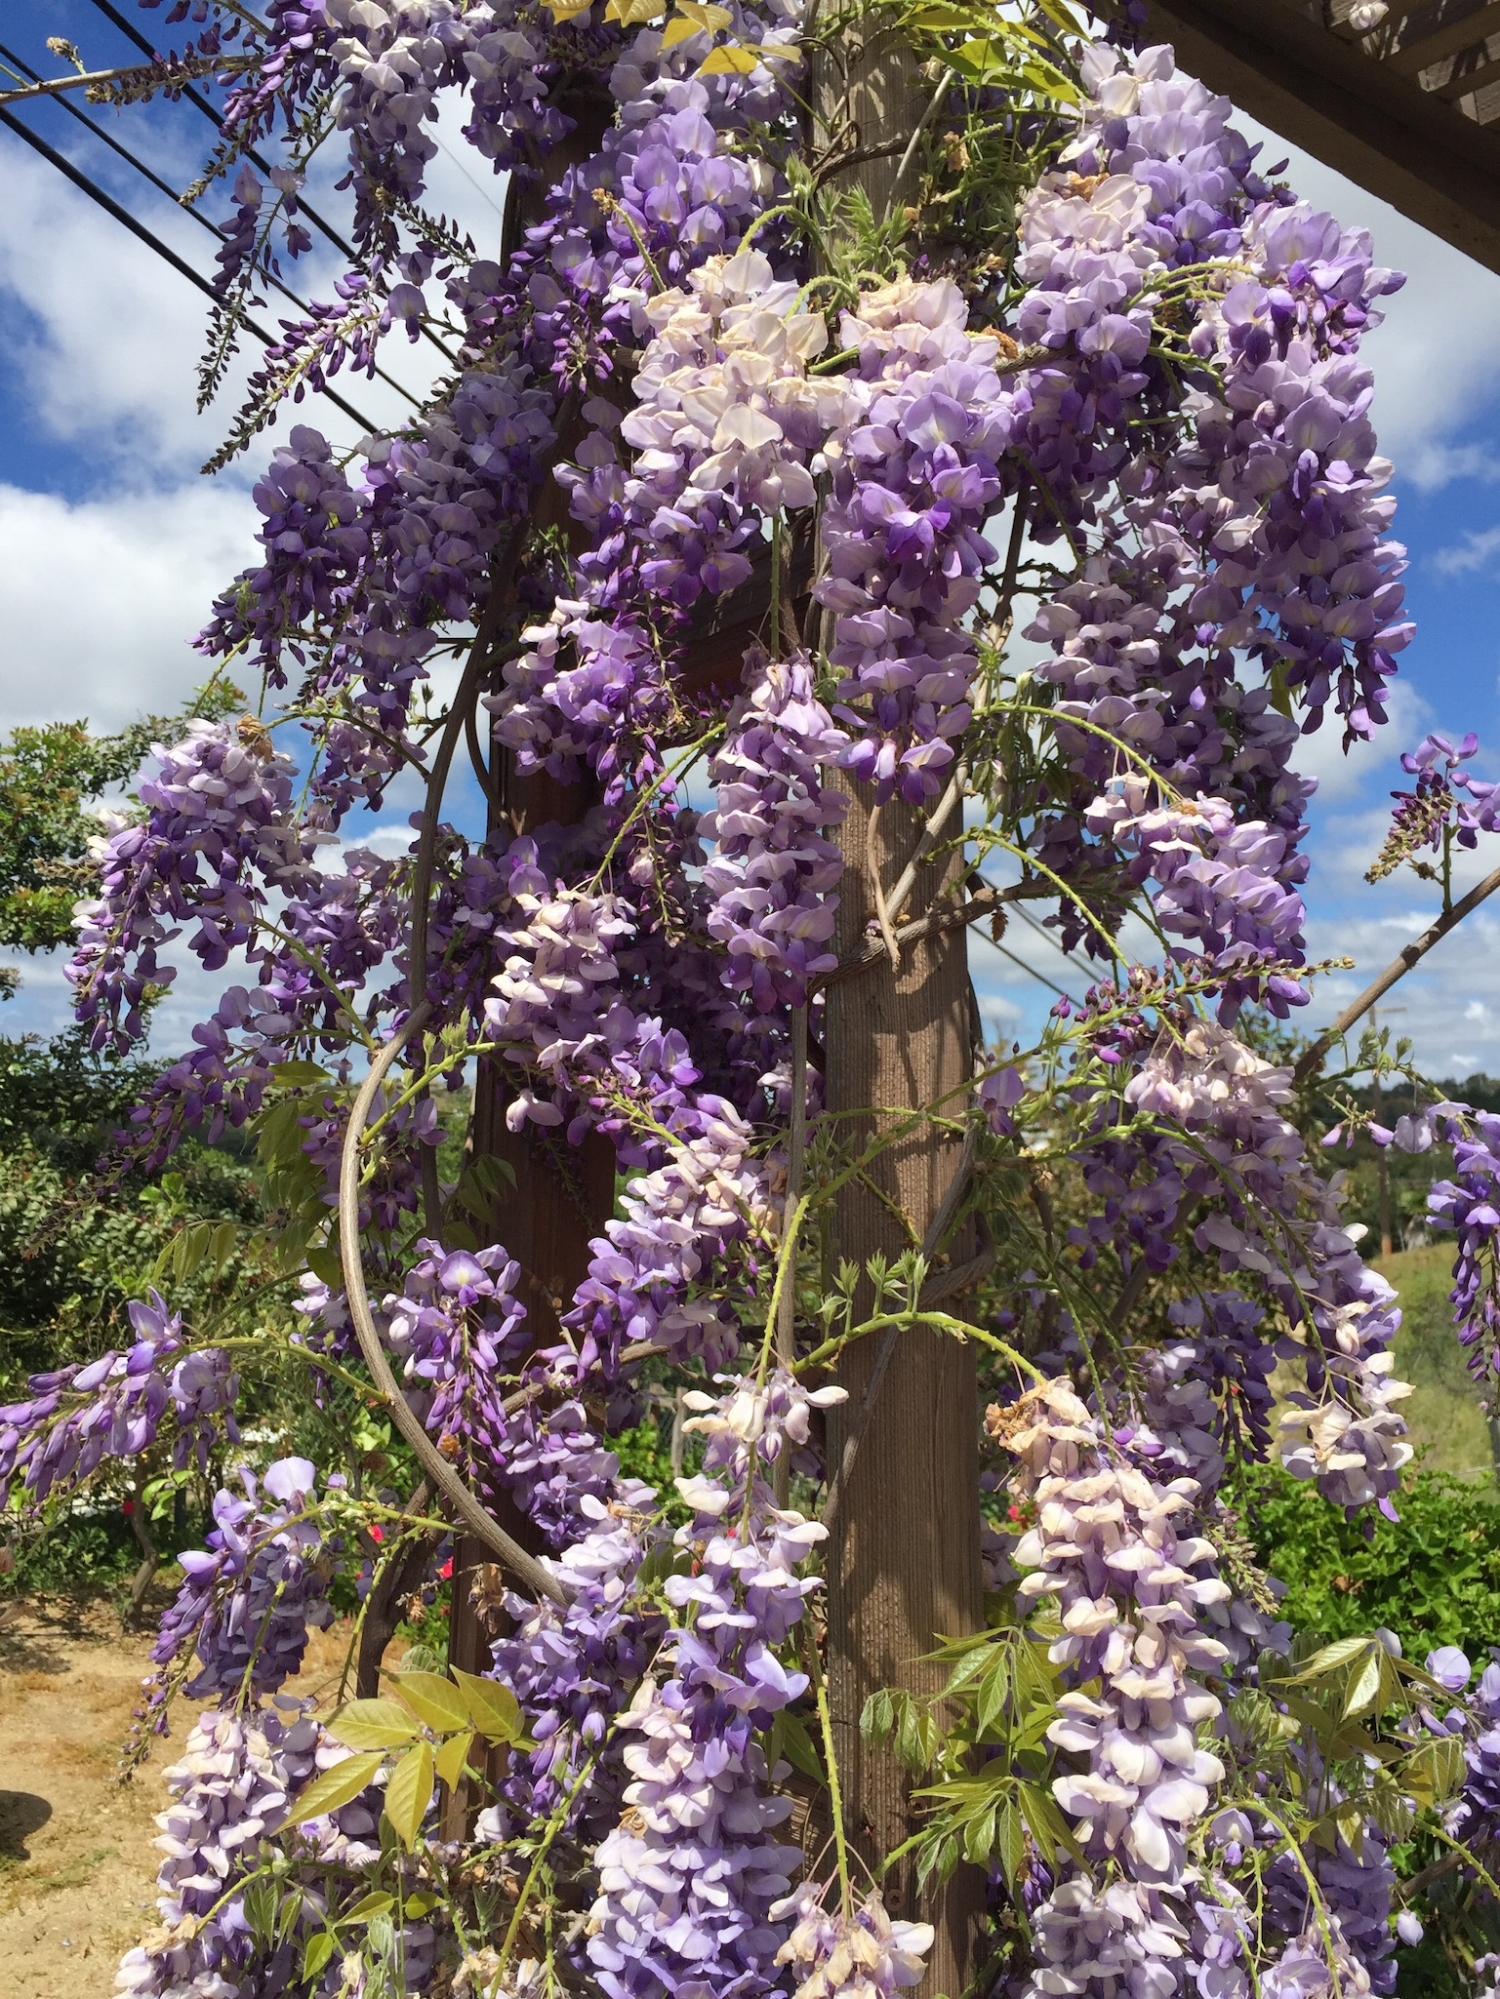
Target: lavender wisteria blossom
x,y
684,606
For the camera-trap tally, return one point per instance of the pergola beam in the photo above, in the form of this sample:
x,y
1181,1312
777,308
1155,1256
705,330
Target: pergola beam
x,y
1349,110
1413,57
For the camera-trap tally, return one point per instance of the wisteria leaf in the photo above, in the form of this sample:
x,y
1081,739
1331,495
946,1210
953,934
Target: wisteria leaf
x,y
339,1786
731,59
994,1691
453,1755
299,1075
1010,1843
368,1905
316,1953
1434,1770
1329,1658
409,1793
378,1724
493,1709
1364,1684
432,1699
789,1738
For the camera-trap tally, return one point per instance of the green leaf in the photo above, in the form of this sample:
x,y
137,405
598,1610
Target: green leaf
x,y
1010,1843
1045,1822
316,1953
221,1245
789,1738
994,1690
1329,1658
452,1757
432,1699
261,1901
493,1709
730,59
409,1793
299,1075
1364,1683
942,20
325,1265
877,1721
374,1904
378,1724
339,1786
1434,1770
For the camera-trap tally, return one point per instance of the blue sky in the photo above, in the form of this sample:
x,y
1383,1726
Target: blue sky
x,y
112,546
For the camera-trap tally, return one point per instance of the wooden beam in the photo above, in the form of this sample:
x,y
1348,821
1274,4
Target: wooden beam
x,y
1450,40
1400,142
1470,81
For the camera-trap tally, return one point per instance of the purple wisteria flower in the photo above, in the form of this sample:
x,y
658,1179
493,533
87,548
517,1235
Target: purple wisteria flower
x,y
77,1417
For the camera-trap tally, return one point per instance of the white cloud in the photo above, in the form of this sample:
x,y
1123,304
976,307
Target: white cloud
x,y
1478,550
99,599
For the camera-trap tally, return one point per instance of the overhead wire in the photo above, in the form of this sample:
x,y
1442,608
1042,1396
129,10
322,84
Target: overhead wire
x,y
23,68
138,229
1044,933
1032,972
201,103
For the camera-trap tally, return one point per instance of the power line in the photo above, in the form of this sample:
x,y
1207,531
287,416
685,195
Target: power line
x,y
123,216
1042,932
201,103
1032,972
24,68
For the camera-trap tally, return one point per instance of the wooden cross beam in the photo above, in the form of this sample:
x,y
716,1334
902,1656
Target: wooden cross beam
x,y
1410,111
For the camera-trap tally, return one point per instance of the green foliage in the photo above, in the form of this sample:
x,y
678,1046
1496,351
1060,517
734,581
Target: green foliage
x,y
48,777
1433,1578
1000,1698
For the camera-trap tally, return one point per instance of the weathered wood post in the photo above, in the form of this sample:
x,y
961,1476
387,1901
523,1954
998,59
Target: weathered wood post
x,y
903,1563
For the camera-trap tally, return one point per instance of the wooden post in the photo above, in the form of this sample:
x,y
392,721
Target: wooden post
x,y
903,1567
903,1564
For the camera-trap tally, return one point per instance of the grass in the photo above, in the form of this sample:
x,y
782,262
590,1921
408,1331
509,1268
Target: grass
x,y
1447,1424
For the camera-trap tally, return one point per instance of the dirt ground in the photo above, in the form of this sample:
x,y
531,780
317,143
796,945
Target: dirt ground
x,y
77,1867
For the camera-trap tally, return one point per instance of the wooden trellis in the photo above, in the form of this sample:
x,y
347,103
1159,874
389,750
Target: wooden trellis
x,y
1410,109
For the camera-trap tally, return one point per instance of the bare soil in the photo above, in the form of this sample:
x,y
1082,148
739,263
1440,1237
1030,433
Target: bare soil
x,y
77,1867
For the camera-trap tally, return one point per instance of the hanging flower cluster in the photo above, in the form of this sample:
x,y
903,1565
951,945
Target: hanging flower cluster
x,y
114,1407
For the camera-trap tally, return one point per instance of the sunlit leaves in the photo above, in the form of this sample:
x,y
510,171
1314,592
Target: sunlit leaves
x,y
492,1708
429,1723
691,19
409,1792
336,1787
376,1724
433,1699
453,1757
1003,1690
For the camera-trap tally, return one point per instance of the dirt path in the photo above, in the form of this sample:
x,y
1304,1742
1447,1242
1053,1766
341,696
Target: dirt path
x,y
77,1867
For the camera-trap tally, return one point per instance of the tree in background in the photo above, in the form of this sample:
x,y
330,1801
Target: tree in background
x,y
828,355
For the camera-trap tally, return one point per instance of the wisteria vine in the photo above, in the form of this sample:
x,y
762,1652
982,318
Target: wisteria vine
x,y
718,522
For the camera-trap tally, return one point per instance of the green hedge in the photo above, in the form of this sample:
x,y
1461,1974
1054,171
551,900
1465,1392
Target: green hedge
x,y
1433,1580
